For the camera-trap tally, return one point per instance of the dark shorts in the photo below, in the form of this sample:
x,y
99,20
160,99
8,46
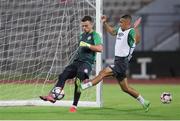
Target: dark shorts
x,y
78,68
120,67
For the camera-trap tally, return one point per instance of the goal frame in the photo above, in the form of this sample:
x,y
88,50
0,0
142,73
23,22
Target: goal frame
x,y
97,103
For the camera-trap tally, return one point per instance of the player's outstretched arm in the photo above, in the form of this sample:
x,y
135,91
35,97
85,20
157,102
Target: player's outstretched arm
x,y
108,27
136,28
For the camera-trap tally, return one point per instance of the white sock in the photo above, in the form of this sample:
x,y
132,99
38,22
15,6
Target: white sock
x,y
140,99
74,106
86,85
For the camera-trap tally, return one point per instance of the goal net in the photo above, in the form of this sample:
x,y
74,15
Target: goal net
x,y
38,38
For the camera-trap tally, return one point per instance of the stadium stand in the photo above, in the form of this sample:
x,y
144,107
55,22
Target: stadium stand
x,y
115,8
163,25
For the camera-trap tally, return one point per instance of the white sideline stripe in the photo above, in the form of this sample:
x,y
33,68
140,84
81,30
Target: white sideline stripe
x,y
43,103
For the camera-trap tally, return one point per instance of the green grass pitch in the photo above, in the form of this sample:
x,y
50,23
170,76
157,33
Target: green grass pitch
x,y
117,106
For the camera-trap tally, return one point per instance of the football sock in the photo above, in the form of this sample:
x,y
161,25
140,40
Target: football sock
x,y
86,85
76,99
76,96
140,99
74,106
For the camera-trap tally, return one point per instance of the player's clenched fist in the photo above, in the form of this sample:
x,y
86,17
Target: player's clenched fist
x,y
103,18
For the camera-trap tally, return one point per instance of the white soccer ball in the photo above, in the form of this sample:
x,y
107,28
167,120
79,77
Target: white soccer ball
x,y
166,97
58,93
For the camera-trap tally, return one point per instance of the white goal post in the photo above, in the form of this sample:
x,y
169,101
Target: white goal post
x,y
25,58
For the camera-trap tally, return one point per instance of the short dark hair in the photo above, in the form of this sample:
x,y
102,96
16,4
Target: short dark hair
x,y
87,18
127,16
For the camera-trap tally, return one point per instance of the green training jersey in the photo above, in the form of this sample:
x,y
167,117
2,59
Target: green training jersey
x,y
85,54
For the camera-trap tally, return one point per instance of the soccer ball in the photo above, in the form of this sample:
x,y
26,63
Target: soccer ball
x,y
166,97
58,93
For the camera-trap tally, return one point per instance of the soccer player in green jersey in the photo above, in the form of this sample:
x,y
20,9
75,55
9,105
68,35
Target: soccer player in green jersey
x,y
90,43
127,38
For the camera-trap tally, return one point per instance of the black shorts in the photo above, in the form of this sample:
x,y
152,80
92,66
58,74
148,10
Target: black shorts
x,y
78,67
120,67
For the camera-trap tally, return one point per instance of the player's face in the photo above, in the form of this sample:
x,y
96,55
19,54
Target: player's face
x,y
124,23
86,26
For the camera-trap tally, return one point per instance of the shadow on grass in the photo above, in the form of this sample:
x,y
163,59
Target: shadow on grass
x,y
112,112
131,113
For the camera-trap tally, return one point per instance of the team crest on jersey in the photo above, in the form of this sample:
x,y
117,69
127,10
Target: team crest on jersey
x,y
86,70
120,34
89,38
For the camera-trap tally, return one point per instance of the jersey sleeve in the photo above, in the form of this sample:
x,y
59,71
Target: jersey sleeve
x,y
131,37
97,39
80,36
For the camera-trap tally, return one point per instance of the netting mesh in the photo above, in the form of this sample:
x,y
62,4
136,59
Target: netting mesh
x,y
38,38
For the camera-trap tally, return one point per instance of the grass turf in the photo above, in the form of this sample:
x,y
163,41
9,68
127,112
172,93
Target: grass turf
x,y
117,106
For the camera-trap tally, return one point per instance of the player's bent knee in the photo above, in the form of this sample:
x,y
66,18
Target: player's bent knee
x,y
125,89
121,77
103,73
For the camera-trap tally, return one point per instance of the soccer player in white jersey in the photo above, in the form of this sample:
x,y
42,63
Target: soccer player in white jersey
x,y
127,37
